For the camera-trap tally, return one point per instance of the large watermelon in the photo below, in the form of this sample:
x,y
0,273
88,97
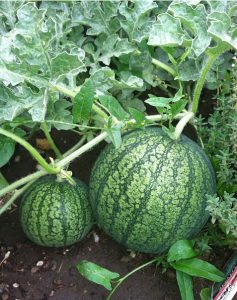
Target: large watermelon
x,y
151,191
54,213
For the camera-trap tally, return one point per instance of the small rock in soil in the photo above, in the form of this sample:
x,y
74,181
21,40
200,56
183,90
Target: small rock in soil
x,y
17,158
39,263
65,251
96,237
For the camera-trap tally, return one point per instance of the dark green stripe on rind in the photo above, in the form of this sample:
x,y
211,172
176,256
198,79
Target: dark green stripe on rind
x,y
151,191
54,213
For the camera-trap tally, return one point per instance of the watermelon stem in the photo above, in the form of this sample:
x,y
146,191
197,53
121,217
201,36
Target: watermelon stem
x,y
163,66
15,195
212,55
22,181
121,280
31,149
50,140
65,161
182,123
75,147
201,81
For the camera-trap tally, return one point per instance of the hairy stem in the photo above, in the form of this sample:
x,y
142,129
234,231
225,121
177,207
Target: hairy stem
x,y
21,182
163,66
50,140
201,81
65,161
182,123
75,147
129,274
154,118
31,149
16,194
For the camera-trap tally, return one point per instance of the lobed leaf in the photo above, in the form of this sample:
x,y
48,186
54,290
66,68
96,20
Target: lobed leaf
x,y
166,32
136,22
194,19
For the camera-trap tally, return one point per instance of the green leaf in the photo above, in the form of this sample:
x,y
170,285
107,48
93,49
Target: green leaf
x,y
97,15
199,268
12,105
65,63
137,115
170,131
189,70
127,81
205,294
14,74
114,46
194,19
159,101
102,80
140,61
28,40
136,22
97,274
178,106
7,149
83,101
185,284
3,181
182,249
113,106
167,32
60,113
133,102
221,29
114,133
219,6
8,9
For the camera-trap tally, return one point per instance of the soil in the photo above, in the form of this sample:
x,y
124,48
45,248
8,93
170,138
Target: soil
x,y
36,273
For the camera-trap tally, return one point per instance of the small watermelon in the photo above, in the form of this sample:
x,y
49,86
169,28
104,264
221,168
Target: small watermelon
x,y
151,191
55,213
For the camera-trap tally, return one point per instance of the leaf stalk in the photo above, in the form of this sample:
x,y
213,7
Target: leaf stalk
x,y
50,140
31,149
